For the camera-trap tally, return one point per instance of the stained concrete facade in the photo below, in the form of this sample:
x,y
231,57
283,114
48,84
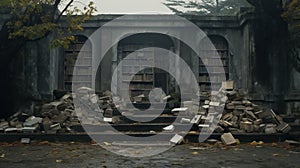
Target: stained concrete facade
x,y
42,69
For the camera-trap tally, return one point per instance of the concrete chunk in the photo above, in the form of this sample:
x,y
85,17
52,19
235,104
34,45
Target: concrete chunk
x,y
94,99
106,119
270,129
219,129
25,140
283,127
203,126
3,125
169,128
180,109
177,139
216,104
185,121
196,119
31,121
228,139
228,85
29,129
167,97
55,127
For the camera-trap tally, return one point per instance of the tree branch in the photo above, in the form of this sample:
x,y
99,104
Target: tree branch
x,y
55,7
63,11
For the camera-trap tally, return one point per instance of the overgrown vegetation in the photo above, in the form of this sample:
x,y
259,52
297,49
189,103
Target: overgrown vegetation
x,y
206,7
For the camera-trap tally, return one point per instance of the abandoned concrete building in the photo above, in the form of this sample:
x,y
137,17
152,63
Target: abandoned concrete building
x,y
43,70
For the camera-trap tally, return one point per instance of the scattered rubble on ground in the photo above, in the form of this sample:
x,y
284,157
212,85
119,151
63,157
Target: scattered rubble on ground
x,y
240,115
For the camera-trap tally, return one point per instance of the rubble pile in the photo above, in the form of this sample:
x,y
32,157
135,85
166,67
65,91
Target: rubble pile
x,y
241,115
59,116
100,108
51,117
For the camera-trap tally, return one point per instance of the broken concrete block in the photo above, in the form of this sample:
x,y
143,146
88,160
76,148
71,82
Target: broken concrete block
x,y
61,118
29,129
11,130
257,122
208,119
138,99
228,85
219,129
94,99
185,121
104,98
256,128
205,106
61,106
14,122
180,109
196,119
31,121
108,113
66,97
216,104
227,116
167,97
261,114
246,126
276,118
250,115
262,127
106,119
239,107
3,125
283,127
228,123
246,103
236,102
229,106
177,139
270,129
228,139
55,127
46,124
85,90
25,140
169,128
203,126
206,102
292,142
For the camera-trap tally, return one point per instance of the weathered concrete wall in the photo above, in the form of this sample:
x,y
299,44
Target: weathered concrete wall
x,y
42,69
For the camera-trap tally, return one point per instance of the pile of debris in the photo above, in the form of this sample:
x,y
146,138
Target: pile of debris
x,y
52,117
241,115
59,116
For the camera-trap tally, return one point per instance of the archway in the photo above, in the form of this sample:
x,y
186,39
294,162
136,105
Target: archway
x,y
213,81
84,64
148,78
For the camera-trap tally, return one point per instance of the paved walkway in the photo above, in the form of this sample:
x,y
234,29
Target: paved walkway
x,y
73,155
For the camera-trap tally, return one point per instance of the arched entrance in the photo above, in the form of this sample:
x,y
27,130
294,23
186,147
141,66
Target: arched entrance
x,y
214,82
84,64
148,78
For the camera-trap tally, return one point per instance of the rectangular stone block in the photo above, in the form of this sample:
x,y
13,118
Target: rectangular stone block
x,y
177,139
228,139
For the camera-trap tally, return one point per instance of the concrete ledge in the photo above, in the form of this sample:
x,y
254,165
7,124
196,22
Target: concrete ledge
x,y
243,137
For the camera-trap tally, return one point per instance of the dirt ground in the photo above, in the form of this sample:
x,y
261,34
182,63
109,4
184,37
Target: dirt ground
x,y
73,155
